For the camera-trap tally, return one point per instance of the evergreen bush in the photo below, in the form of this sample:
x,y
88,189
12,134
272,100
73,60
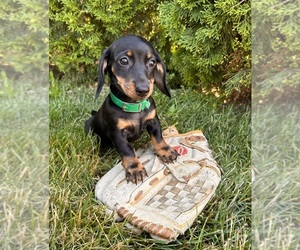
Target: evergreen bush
x,y
205,44
276,49
80,30
24,39
211,43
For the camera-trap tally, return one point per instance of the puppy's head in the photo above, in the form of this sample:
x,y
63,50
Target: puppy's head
x,y
134,67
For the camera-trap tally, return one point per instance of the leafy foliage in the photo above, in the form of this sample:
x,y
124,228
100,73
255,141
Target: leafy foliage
x,y
211,42
24,38
205,44
276,50
24,125
81,30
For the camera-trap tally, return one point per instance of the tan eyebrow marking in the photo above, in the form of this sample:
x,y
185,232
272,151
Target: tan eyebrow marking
x,y
129,53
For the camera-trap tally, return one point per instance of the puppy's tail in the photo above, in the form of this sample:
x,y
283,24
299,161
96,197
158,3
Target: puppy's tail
x,y
88,123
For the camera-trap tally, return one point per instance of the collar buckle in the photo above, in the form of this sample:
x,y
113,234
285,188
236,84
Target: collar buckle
x,y
124,106
140,107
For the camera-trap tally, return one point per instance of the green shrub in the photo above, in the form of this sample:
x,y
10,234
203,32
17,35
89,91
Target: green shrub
x,y
80,30
24,38
276,49
205,44
211,42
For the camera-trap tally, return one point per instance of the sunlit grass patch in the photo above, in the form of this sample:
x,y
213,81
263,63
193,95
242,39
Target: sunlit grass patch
x,y
24,175
77,220
276,157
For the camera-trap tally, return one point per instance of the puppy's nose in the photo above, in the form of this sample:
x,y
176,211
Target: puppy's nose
x,y
142,90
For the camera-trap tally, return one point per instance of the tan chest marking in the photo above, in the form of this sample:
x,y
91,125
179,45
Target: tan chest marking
x,y
127,123
124,123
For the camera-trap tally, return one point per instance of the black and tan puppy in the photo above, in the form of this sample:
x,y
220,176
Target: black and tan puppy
x,y
133,66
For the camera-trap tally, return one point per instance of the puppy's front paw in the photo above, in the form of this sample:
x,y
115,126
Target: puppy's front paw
x,y
134,170
167,154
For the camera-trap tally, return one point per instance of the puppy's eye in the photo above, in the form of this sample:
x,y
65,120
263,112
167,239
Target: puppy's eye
x,y
124,61
152,63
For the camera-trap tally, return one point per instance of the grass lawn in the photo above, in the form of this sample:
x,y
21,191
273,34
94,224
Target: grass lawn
x,y
78,221
276,158
24,176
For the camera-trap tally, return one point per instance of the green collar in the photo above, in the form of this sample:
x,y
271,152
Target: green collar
x,y
130,107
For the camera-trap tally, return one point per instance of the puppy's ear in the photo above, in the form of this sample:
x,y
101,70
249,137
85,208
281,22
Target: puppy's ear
x,y
160,76
102,70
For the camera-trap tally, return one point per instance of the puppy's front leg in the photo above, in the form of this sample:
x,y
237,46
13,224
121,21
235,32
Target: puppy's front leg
x,y
134,170
163,150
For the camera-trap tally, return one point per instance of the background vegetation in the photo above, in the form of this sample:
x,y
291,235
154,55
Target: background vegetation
x,y
276,50
24,41
275,124
24,123
275,187
205,44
